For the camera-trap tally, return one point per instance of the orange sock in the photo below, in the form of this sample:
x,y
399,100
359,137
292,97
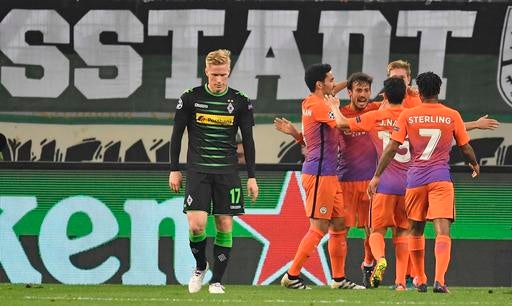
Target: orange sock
x,y
337,246
410,271
402,258
417,250
306,247
442,251
377,245
368,256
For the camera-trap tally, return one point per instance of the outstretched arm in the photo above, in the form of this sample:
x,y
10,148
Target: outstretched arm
x,y
483,123
283,125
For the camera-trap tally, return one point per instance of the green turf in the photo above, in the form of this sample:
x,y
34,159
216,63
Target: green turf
x,y
20,295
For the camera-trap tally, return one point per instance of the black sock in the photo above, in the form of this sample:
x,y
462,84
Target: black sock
x,y
221,257
339,279
199,252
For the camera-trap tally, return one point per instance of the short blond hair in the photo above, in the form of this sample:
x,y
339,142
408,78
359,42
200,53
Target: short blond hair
x,y
218,57
399,64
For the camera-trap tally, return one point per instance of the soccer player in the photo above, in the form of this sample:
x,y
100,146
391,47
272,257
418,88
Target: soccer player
x,y
402,69
356,164
324,199
387,206
212,115
356,161
430,128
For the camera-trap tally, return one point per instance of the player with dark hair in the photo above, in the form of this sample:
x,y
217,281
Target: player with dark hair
x,y
430,128
387,206
212,115
324,199
356,161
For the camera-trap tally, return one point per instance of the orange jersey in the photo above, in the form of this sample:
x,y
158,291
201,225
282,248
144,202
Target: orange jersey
x,y
320,136
411,101
358,159
380,124
431,128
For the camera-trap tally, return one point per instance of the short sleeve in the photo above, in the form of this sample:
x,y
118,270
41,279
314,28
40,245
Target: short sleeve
x,y
400,128
460,134
322,113
362,123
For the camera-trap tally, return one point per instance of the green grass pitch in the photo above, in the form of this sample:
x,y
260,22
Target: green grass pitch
x,y
51,294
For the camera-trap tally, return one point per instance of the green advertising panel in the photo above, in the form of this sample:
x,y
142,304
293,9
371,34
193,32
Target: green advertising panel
x,y
483,205
119,223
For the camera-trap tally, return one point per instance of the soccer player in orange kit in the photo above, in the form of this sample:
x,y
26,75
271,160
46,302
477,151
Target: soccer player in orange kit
x,y
430,128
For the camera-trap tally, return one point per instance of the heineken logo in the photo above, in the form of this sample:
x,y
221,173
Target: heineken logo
x,y
56,248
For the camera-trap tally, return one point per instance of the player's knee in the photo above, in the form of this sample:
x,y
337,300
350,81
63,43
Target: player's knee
x,y
417,228
224,223
197,229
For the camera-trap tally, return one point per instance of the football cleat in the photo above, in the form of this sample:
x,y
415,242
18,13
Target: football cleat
x,y
216,288
378,272
346,284
421,288
367,273
196,280
438,288
293,283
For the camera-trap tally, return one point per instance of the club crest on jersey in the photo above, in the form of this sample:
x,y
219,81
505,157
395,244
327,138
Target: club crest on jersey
x,y
505,60
323,210
211,119
231,108
331,115
189,200
180,104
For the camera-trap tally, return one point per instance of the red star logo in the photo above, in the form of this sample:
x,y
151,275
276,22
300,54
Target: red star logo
x,y
281,230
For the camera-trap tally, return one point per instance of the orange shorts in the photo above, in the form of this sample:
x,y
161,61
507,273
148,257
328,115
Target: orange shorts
x,y
324,199
357,203
431,201
388,210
